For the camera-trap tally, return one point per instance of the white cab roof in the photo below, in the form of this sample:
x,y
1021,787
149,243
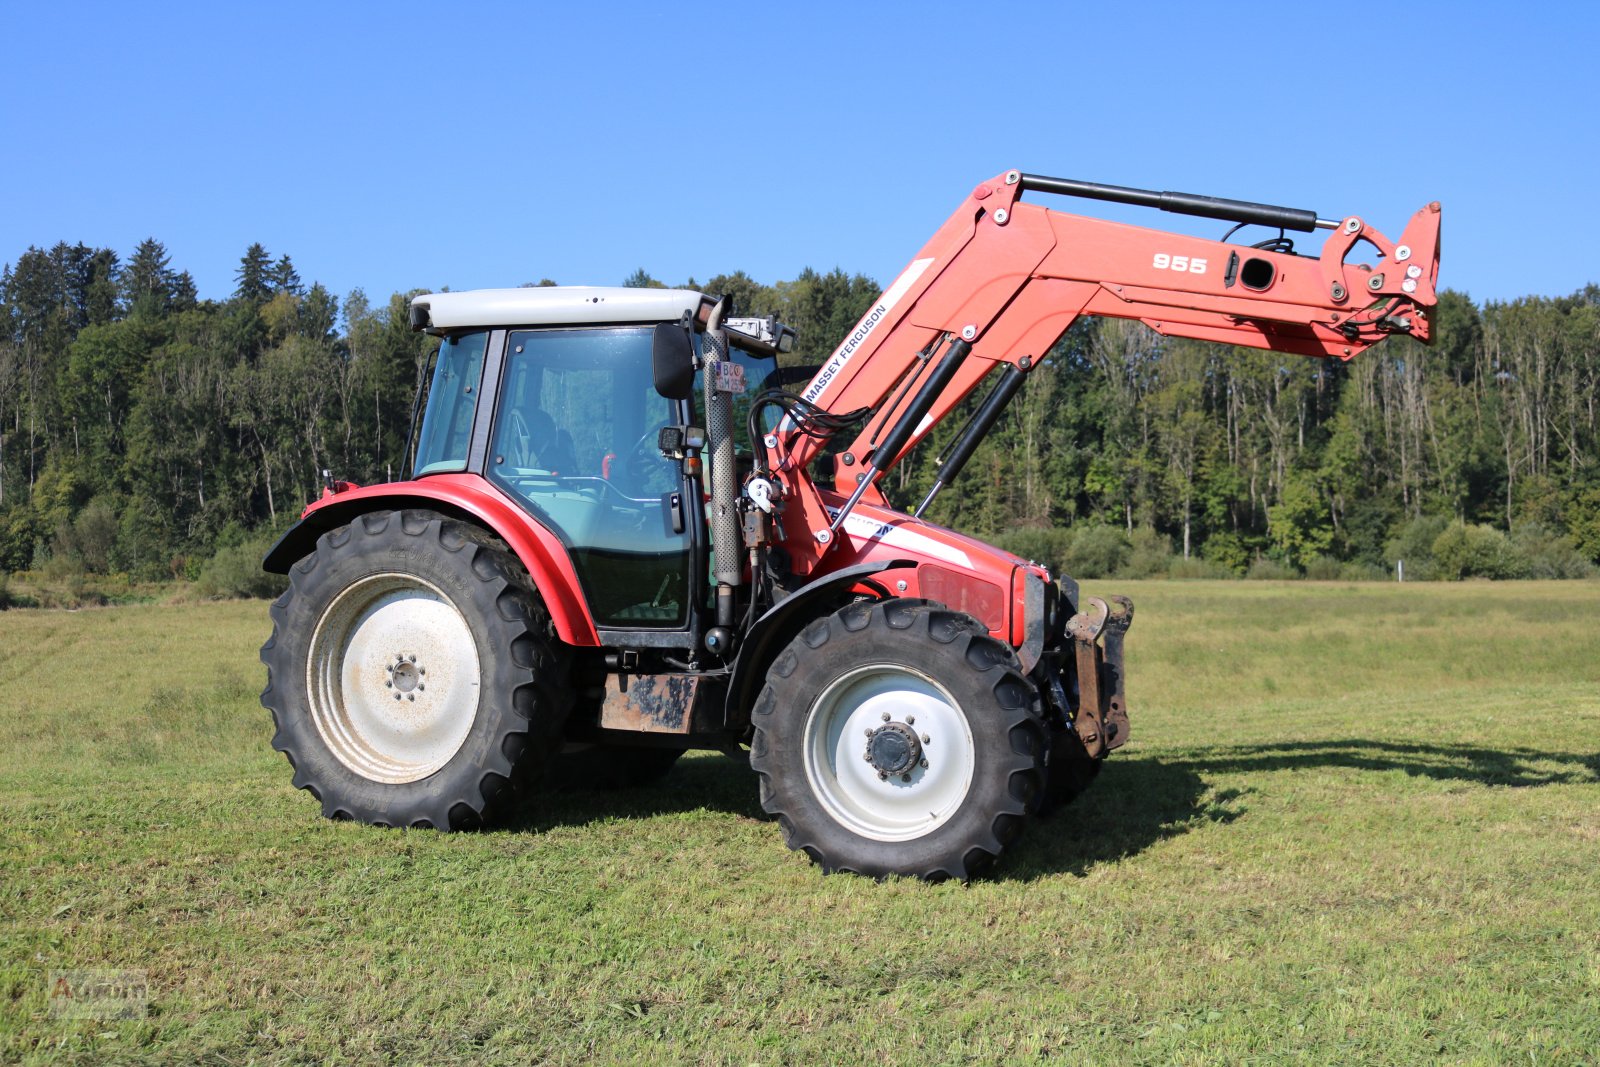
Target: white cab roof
x,y
556,305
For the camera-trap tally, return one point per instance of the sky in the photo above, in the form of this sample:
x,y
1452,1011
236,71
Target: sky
x,y
398,146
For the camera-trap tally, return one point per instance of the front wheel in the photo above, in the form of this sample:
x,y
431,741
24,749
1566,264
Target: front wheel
x,y
898,738
410,672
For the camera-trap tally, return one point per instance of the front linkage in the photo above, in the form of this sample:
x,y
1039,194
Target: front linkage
x,y
1099,715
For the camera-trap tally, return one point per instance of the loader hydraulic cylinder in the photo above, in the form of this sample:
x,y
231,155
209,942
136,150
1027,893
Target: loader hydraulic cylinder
x,y
1209,207
976,430
900,433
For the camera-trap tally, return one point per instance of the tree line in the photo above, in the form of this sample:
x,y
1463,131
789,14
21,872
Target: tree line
x,y
142,428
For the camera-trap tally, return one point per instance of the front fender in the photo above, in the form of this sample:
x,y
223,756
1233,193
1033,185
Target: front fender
x,y
775,629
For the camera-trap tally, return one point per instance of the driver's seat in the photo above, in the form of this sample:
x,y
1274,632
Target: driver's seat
x,y
560,456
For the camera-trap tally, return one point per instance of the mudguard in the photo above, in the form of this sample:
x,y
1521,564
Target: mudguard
x,y
775,629
471,499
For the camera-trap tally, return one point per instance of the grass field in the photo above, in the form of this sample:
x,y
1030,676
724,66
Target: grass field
x,y
1356,824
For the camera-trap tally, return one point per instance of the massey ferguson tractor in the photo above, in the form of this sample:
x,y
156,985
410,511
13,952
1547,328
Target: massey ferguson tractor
x,y
622,532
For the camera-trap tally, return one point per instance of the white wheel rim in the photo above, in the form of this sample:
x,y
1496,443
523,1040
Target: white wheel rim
x,y
393,678
846,782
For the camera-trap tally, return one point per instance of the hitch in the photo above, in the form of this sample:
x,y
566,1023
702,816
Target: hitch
x,y
1102,717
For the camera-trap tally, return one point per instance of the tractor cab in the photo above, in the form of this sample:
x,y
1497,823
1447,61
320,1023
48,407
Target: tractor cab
x,y
559,398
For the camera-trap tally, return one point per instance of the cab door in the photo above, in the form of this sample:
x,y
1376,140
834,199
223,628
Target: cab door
x,y
574,441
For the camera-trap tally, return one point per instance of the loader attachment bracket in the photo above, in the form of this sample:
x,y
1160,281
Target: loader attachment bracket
x,y
1101,721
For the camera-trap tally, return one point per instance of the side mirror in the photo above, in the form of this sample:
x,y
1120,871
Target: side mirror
x,y
673,355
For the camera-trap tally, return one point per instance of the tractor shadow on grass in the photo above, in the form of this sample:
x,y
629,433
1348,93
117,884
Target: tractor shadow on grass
x,y
1135,803
699,781
1141,800
1138,801
1515,768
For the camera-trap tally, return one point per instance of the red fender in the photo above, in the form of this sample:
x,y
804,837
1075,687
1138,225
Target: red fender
x,y
471,498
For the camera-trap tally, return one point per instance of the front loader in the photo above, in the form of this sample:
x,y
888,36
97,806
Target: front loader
x,y
621,532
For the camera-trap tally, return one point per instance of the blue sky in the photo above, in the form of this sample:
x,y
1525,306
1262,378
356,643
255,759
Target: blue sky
x,y
426,145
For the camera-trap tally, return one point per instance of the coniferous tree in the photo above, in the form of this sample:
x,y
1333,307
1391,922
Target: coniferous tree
x,y
254,276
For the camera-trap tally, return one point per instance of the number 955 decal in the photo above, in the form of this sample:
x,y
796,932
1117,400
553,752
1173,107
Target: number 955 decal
x,y
1163,261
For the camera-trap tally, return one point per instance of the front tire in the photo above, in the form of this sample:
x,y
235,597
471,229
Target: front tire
x,y
897,737
410,672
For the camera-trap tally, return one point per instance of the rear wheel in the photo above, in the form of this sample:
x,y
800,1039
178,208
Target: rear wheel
x,y
411,672
898,738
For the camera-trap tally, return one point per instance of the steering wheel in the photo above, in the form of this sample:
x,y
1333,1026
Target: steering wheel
x,y
638,463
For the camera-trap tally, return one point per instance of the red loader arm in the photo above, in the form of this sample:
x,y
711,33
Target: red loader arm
x,y
1002,280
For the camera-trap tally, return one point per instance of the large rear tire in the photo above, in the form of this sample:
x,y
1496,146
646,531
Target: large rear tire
x,y
411,672
897,737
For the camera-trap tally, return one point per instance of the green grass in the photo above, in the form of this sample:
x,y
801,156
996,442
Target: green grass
x,y
1356,824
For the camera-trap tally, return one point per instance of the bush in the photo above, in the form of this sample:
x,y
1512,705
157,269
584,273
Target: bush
x,y
1043,545
1412,544
1096,551
1267,569
21,532
1476,551
1358,571
1228,551
1324,569
1194,567
1547,554
1149,556
1583,521
235,571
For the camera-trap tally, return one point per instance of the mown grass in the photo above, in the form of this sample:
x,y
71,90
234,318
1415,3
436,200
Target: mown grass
x,y
1356,824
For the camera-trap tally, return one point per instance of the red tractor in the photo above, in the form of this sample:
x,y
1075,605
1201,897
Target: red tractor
x,y
621,531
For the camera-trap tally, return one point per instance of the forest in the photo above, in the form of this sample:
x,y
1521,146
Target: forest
x,y
149,433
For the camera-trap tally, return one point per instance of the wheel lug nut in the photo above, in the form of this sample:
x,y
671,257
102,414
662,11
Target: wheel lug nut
x,y
911,720
926,739
883,776
867,756
389,685
867,731
886,716
397,696
413,659
905,777
923,764
420,688
411,696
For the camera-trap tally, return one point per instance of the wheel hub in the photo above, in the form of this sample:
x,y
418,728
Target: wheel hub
x,y
893,748
405,676
902,715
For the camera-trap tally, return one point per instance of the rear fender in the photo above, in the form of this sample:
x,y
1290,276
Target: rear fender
x,y
469,499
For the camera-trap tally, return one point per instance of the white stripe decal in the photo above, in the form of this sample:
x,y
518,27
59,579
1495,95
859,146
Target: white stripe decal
x,y
842,355
868,529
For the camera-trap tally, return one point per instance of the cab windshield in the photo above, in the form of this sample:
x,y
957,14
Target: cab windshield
x,y
452,398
